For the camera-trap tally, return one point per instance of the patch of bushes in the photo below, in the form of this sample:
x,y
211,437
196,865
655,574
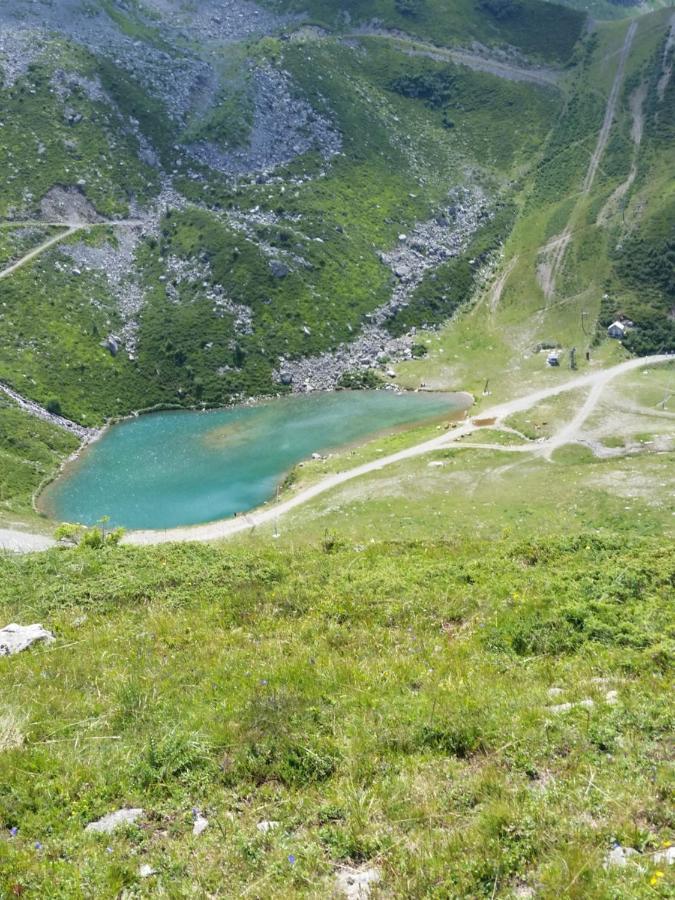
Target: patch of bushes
x,y
364,380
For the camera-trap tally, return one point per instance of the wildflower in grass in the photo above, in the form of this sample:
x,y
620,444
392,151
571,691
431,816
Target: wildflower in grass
x,y
108,849
291,859
13,831
263,681
38,845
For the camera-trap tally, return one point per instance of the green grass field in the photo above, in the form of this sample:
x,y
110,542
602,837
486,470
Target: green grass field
x,y
388,706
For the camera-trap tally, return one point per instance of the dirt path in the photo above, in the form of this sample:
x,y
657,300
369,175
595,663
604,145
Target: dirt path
x,y
551,259
46,223
72,229
610,110
553,254
667,72
497,289
269,514
13,541
544,77
637,101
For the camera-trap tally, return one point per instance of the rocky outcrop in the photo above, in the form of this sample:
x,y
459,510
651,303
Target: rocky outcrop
x,y
284,126
114,820
426,246
117,263
68,204
15,638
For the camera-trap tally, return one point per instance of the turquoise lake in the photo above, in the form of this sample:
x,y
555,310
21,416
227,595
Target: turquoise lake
x,y
184,468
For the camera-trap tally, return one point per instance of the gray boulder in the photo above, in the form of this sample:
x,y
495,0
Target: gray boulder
x,y
278,269
114,820
15,638
355,884
619,856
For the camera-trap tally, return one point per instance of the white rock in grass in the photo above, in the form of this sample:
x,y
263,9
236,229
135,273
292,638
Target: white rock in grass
x,y
619,856
201,824
665,856
146,871
15,638
114,820
267,825
565,707
355,884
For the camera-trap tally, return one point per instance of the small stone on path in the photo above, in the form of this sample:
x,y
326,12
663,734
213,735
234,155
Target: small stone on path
x,y
114,820
355,884
15,638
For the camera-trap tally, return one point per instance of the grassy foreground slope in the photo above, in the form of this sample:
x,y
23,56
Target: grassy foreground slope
x,y
399,707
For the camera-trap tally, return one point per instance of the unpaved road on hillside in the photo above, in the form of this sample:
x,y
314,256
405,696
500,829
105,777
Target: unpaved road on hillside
x,y
36,251
497,289
24,542
228,527
610,110
553,254
540,75
71,228
667,68
637,102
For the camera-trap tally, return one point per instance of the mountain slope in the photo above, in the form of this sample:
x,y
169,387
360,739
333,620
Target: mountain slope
x,y
225,270
263,199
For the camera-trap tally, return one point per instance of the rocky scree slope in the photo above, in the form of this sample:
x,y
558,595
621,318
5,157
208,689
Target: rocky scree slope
x,y
242,195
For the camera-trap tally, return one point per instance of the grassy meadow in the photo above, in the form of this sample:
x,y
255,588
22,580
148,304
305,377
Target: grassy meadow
x,y
392,705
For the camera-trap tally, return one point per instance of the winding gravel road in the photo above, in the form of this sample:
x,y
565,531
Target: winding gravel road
x,y
36,251
596,381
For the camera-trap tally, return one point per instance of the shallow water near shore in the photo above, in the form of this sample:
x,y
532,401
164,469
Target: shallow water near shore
x,y
183,468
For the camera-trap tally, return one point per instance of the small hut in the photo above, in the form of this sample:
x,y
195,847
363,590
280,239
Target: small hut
x,y
617,330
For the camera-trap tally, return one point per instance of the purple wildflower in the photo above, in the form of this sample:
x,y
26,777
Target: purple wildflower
x,y
14,831
38,845
291,859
